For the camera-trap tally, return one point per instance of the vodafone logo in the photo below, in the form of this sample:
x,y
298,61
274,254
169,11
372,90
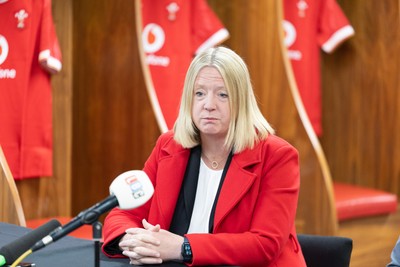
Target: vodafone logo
x,y
290,33
153,38
5,73
3,49
290,38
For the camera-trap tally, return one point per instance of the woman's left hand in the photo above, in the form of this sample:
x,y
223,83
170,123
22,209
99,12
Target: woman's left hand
x,y
152,245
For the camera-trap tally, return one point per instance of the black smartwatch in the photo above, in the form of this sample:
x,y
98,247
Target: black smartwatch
x,y
186,251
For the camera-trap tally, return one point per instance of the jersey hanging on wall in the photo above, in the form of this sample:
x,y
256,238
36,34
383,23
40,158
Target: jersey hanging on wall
x,y
173,32
311,25
29,53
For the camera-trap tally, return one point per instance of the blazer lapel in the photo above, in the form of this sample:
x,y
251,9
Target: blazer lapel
x,y
171,170
237,182
190,183
184,207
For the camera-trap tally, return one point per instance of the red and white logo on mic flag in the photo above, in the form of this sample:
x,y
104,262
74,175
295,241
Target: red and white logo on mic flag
x,y
173,32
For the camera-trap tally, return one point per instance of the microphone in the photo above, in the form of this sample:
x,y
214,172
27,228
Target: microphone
x,y
129,190
9,253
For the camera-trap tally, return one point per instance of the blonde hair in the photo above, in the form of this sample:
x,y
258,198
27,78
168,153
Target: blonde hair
x,y
247,125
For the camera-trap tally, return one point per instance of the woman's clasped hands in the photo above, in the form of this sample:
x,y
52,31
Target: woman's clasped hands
x,y
150,245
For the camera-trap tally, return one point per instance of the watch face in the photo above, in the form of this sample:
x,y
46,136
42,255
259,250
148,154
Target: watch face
x,y
186,251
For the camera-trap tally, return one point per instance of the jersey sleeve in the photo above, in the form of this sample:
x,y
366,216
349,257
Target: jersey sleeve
x,y
207,29
50,53
334,26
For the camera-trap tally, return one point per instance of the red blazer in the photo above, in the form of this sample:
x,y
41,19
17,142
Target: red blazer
x,y
255,214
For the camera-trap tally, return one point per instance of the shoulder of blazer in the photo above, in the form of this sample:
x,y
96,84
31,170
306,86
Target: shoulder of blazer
x,y
261,150
168,146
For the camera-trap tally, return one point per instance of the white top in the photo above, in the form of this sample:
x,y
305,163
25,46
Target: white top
x,y
207,187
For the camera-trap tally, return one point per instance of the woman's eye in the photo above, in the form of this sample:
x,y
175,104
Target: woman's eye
x,y
199,93
223,95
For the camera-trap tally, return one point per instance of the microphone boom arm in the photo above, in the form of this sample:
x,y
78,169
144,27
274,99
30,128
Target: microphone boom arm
x,y
88,216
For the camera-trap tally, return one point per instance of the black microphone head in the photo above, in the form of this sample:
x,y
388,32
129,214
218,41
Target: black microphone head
x,y
13,250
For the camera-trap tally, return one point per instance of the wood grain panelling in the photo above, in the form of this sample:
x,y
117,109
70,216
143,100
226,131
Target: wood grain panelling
x,y
104,123
361,98
51,196
254,27
114,126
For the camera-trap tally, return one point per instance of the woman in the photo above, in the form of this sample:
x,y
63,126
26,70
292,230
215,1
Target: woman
x,y
226,188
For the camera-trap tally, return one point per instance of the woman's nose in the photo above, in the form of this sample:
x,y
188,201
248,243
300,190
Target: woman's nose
x,y
209,103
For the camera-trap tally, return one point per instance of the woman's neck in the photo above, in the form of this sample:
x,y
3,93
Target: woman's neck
x,y
214,154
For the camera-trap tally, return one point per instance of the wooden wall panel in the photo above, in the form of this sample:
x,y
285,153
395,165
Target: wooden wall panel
x,y
361,98
111,109
114,126
110,125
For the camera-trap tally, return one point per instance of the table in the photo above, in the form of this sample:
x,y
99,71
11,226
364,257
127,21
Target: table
x,y
68,251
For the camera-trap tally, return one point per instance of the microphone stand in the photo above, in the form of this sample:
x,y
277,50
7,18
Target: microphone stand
x,y
97,235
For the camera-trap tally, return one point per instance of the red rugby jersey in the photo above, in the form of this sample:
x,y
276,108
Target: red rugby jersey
x,y
29,52
311,25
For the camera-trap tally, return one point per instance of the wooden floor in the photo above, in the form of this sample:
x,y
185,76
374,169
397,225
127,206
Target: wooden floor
x,y
373,239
